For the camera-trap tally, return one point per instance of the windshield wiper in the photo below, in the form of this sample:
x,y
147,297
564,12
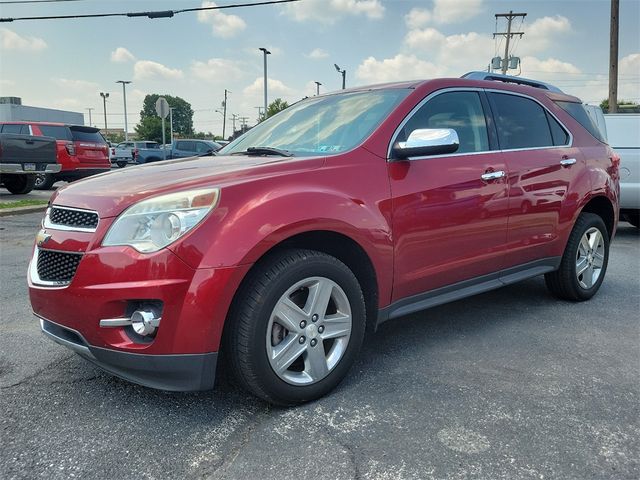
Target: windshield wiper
x,y
264,151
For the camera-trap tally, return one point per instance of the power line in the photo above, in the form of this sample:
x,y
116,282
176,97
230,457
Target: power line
x,y
151,14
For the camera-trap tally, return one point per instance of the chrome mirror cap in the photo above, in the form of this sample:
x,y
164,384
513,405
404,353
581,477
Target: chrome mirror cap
x,y
427,141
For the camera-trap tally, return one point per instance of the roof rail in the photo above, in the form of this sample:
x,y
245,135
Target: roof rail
x,y
511,79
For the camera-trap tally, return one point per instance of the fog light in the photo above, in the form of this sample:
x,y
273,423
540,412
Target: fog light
x,y
144,322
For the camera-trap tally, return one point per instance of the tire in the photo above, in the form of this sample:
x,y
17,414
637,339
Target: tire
x,y
588,248
122,164
19,184
44,181
255,338
633,218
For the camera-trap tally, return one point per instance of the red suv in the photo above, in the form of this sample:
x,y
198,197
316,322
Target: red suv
x,y
343,211
82,151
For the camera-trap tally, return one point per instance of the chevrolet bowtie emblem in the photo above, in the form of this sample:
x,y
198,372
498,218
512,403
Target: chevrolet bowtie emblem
x,y
42,238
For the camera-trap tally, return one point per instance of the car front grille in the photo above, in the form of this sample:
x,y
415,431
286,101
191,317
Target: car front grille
x,y
73,218
57,267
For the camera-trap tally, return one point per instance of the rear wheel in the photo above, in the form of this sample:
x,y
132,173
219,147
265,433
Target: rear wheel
x,y
44,181
19,184
584,262
296,327
122,164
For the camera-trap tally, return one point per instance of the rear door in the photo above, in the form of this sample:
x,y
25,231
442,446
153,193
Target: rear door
x,y
184,148
91,147
543,169
449,223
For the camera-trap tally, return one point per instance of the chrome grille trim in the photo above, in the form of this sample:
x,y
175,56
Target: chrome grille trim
x,y
91,216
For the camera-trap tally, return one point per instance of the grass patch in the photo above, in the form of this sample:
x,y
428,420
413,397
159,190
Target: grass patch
x,y
22,203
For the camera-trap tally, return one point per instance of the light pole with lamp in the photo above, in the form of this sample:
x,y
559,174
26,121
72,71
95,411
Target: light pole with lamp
x,y
265,53
223,125
318,88
124,96
344,75
104,103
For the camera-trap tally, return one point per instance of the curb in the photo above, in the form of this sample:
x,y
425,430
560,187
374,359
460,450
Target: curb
x,y
22,210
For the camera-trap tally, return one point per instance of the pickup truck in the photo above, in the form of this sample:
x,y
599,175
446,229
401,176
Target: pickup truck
x,y
127,152
22,158
623,131
179,149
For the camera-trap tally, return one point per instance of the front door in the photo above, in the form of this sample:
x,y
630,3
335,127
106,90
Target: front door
x,y
449,223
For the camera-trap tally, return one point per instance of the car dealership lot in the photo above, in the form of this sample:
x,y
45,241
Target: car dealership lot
x,y
508,384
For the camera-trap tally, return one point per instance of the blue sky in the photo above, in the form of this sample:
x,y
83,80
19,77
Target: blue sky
x,y
64,64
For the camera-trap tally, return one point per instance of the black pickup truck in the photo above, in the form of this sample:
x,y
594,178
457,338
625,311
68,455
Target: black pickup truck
x,y
22,157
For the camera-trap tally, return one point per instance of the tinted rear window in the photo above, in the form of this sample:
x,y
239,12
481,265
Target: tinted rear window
x,y
577,111
16,128
86,135
59,132
521,123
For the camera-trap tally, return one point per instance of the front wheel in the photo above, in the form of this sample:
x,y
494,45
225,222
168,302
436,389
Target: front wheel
x,y
584,262
44,181
296,327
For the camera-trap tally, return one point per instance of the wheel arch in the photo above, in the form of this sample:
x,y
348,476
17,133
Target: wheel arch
x,y
603,207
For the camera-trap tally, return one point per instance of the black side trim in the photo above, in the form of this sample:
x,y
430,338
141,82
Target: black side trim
x,y
467,288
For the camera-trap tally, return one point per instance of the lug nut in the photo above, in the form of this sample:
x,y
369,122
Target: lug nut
x,y
321,329
314,318
303,324
314,342
302,340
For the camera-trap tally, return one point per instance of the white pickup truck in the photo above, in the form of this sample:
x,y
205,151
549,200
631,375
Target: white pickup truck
x,y
126,152
623,134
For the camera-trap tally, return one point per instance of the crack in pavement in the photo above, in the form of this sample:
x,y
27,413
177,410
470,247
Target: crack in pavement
x,y
28,378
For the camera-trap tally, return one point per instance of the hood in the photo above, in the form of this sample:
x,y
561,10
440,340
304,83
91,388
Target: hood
x,y
112,192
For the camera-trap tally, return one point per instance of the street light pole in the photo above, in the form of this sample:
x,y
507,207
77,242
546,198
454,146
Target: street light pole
x,y
265,53
224,114
124,96
344,75
171,109
318,88
91,108
104,103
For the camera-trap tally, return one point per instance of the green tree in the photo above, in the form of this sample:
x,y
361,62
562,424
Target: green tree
x,y
150,128
182,117
276,106
622,105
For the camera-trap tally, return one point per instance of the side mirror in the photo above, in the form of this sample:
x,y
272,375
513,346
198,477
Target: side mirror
x,y
427,141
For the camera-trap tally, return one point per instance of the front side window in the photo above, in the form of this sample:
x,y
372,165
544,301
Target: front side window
x,y
461,111
521,122
322,125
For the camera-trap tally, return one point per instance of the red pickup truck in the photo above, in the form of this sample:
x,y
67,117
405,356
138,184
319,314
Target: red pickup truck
x,y
343,211
82,151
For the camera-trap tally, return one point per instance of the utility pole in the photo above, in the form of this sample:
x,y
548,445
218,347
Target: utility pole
x,y
318,88
259,114
233,119
89,115
224,114
171,109
508,35
124,96
265,52
104,103
613,57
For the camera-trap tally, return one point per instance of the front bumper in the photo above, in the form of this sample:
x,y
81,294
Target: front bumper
x,y
185,372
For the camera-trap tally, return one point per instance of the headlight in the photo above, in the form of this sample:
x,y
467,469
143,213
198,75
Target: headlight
x,y
157,222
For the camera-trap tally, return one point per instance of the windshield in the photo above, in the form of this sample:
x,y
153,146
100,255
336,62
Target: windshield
x,y
322,125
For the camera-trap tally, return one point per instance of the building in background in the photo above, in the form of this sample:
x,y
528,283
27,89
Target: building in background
x,y
12,110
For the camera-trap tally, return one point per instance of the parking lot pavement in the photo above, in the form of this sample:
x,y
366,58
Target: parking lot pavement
x,y
6,196
509,384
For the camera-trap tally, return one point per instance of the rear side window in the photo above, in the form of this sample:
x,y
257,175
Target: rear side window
x,y
521,122
577,111
559,134
59,132
86,135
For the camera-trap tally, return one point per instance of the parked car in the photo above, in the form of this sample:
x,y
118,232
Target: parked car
x,y
178,149
624,136
128,152
22,157
341,212
82,151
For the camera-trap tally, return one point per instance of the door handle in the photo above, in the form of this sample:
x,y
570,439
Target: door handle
x,y
492,175
567,162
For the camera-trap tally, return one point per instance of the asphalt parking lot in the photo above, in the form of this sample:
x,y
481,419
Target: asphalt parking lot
x,y
509,384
